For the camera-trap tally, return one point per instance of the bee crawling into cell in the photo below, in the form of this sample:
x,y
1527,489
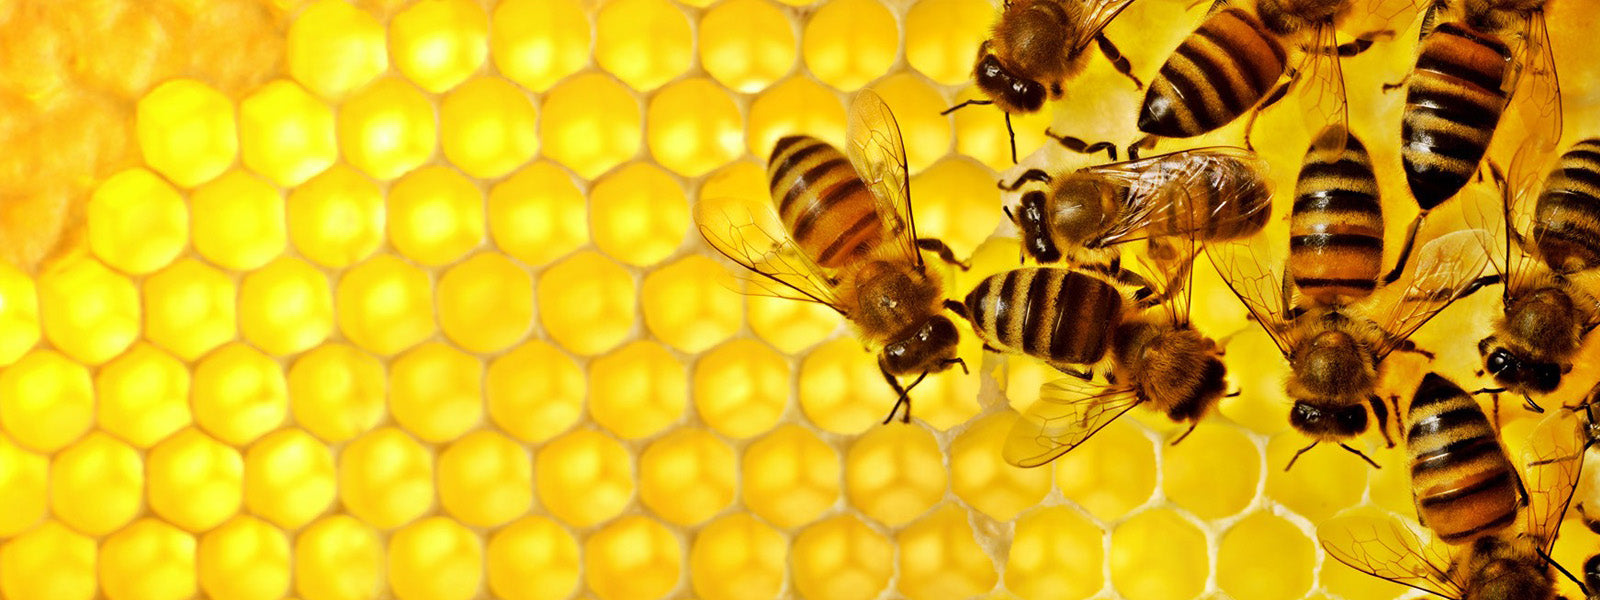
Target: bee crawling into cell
x,y
843,236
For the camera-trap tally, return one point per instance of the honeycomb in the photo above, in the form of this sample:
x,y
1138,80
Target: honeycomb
x,y
337,300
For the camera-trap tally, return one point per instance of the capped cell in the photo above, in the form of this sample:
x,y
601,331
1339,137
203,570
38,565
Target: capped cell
x,y
46,401
590,122
643,42
586,303
238,220
693,126
841,558
89,312
848,43
435,559
1056,552
746,44
386,478
986,482
939,558
338,558
195,481
639,214
584,478
24,476
738,556
337,218
790,476
187,131
96,485
538,214
485,479
137,223
50,561
335,48
796,106
387,129
488,127
286,134
535,391
337,392
286,307
632,557
439,43
126,74
741,388
289,478
385,305
534,558
687,476
436,391
239,394
190,308
245,558
435,215
148,560
538,42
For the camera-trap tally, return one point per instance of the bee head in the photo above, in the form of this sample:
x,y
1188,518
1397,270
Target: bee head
x,y
1591,574
1030,220
1012,93
928,349
1519,373
1328,422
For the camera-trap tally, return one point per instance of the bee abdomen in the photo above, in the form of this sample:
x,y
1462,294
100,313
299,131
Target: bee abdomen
x,y
1566,220
1465,487
1215,210
822,201
1336,226
1058,315
1453,104
1214,76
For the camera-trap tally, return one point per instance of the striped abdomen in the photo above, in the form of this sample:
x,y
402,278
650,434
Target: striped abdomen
x,y
1453,104
1061,316
1215,75
1221,198
823,202
1336,227
1566,218
1464,485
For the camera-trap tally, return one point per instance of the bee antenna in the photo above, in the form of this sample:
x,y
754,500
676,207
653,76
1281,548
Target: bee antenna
x,y
1012,134
1297,456
1363,456
965,104
1563,570
1186,433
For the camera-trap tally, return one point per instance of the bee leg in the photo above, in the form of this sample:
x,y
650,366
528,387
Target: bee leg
x,y
1145,143
1084,375
958,308
1405,249
1563,571
938,246
1389,87
1430,17
1117,60
1082,147
1364,42
1272,97
1011,134
1358,453
1297,456
1380,412
901,397
1410,346
957,361
964,105
1185,433
1026,176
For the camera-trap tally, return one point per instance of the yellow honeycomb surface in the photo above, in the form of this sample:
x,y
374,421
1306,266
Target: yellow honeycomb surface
x,y
343,300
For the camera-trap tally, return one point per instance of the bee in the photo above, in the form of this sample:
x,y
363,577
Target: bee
x,y
843,236
1585,420
1461,479
1208,194
1036,46
1336,352
1336,225
1511,564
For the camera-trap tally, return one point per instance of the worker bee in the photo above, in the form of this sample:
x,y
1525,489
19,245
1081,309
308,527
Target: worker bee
x,y
1512,564
1208,194
843,236
1585,419
1336,225
1336,352
1461,479
1037,45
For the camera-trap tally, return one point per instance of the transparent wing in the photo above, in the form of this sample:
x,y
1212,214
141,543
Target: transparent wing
x,y
879,156
1068,412
1171,261
1380,18
751,234
1247,266
1552,464
1099,14
1322,93
1185,193
1535,101
1441,273
1490,212
1385,548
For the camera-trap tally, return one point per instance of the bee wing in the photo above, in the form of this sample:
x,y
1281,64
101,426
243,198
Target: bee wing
x,y
751,234
1387,549
1247,267
1443,271
1535,100
1100,13
1171,260
1068,412
1322,93
1162,190
1552,464
879,156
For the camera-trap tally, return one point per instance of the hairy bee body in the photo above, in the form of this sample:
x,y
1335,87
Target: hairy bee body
x,y
823,202
1176,370
1336,226
1464,485
1505,567
1220,71
1454,101
1060,316
1566,217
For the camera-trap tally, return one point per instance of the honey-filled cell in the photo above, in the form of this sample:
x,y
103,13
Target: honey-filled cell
x,y
693,126
97,485
638,214
1322,482
195,481
1055,552
289,478
738,556
386,478
981,132
387,129
841,388
335,48
841,558
239,394
337,218
1158,555
795,106
487,127
245,558
286,134
143,395
984,481
137,223
338,558
149,560
632,557
538,42
954,202
485,303
435,215
439,43
238,220
590,123
943,35
435,559
586,303
894,473
538,214
746,44
286,307
686,306
848,43
485,479
790,326
337,392
637,390
50,561
1193,481
88,311
584,477
534,558
1264,556
19,314
46,401
741,388
190,308
643,42
187,131
687,476
939,558
916,104
535,392
790,476
385,305
25,478
1111,474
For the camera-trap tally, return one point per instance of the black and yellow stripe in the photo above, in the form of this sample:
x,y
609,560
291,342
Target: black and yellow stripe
x,y
1453,104
1336,225
1464,485
1215,75
823,202
1061,316
1566,221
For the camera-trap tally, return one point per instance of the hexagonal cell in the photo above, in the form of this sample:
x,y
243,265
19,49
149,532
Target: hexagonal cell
x,y
586,303
950,398
798,105
335,48
848,43
136,222
980,131
238,221
738,556
534,558
584,477
841,558
336,218
89,312
1192,480
538,214
485,479
488,127
940,36
632,557
289,478
195,482
286,134
187,131
46,401
939,558
190,308
126,74
790,477
247,33
386,478
741,388
286,307
535,391
239,394
19,314
435,559
436,392
1264,556
149,560
950,203
638,390
1158,554
687,476
639,215
538,42
987,483
49,562
1320,484
24,479
245,558
337,392
790,326
1055,553
1113,473
387,129
1257,367
439,43
486,303
385,305
841,388
693,126
435,215
894,474
590,122
643,42
684,306
1344,582
746,44
97,485
917,104
338,558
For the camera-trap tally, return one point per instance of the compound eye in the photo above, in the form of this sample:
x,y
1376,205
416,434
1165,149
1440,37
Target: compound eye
x,y
1305,416
1028,95
1499,361
1546,377
1352,419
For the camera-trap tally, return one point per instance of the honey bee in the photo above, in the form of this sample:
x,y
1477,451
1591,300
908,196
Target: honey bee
x,y
1336,352
1585,420
843,236
1336,225
1461,479
1207,194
